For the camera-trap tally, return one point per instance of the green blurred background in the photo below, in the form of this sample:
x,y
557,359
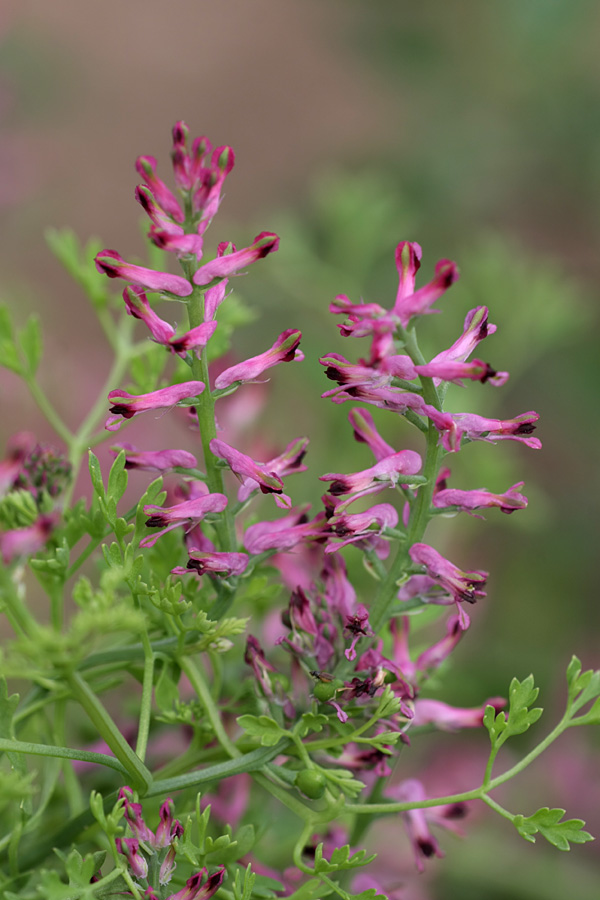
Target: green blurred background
x,y
473,128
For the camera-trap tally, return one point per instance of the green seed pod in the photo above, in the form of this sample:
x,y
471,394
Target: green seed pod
x,y
311,783
326,690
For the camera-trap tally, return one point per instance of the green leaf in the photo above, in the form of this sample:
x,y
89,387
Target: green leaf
x,y
311,722
388,703
9,357
520,696
582,687
547,822
96,475
30,339
341,859
262,726
117,479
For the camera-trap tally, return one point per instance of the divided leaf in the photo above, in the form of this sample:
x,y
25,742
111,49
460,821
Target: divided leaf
x,y
264,727
547,822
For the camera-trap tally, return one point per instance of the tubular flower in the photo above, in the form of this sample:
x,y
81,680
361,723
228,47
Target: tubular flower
x,y
478,428
358,526
466,586
366,433
286,533
287,463
285,349
455,372
423,842
386,473
476,329
468,500
130,849
137,305
357,624
129,405
110,263
231,263
195,890
245,467
155,460
409,302
18,450
213,562
188,513
452,718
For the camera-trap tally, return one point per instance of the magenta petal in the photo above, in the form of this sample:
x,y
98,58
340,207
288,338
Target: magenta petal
x,y
112,264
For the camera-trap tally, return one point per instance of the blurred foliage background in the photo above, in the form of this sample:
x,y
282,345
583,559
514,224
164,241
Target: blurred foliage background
x,y
471,127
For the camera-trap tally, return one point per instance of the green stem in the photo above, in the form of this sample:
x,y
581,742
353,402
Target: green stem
x,y
379,612
146,701
499,809
21,620
8,746
45,407
80,442
206,420
212,713
138,772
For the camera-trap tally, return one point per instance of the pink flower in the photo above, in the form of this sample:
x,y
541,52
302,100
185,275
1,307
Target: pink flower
x,y
358,526
285,533
357,624
194,890
476,329
452,718
112,264
18,449
132,404
462,585
468,500
386,473
230,263
366,433
130,849
409,302
456,372
287,463
138,306
155,460
245,467
188,513
478,428
213,562
415,821
285,349
26,541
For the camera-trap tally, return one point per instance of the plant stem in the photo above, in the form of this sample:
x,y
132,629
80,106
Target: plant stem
x,y
109,731
8,746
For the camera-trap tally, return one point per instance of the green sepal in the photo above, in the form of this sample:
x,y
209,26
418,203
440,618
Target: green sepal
x,y
547,822
265,727
30,340
17,509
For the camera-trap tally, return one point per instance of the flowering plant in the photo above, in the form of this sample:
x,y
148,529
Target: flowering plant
x,y
221,655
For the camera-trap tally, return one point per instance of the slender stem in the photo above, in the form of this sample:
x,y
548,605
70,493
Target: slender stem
x,y
109,731
203,692
146,702
45,406
533,754
21,620
101,759
379,612
206,420
499,809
